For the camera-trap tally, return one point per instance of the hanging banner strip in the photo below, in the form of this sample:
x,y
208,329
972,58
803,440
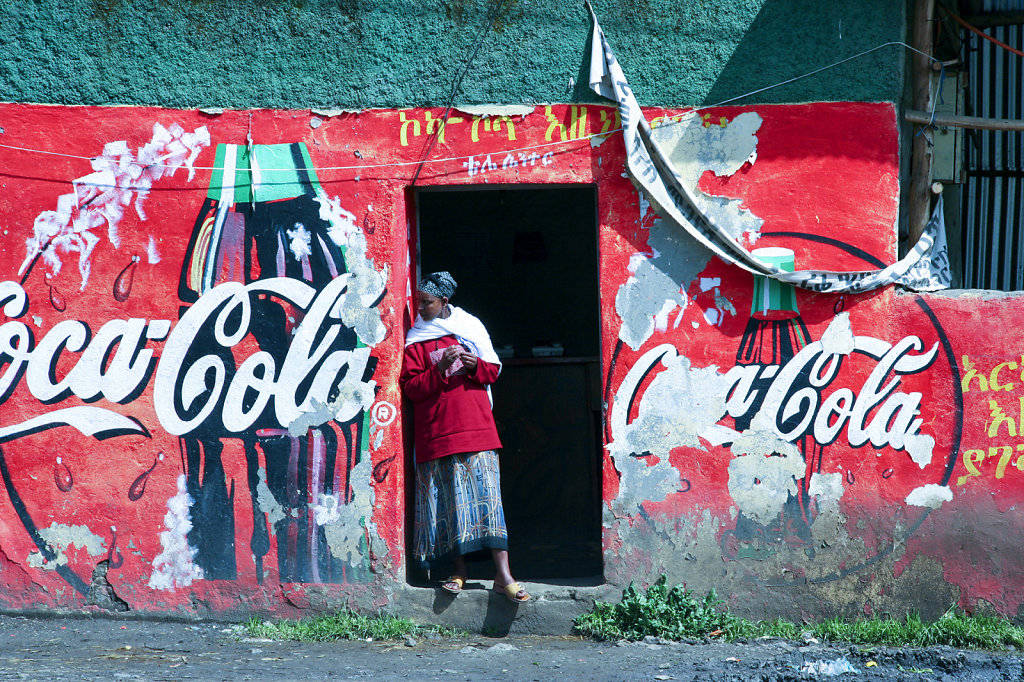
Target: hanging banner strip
x,y
924,268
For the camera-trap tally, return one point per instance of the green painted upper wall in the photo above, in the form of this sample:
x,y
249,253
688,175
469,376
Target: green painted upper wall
x,y
393,53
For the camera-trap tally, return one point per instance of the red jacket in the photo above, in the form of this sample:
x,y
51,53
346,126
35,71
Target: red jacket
x,y
450,414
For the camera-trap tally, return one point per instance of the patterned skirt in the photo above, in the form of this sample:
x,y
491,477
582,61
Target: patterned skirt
x,y
458,507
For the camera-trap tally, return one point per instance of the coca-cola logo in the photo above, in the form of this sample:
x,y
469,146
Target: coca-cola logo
x,y
194,379
800,397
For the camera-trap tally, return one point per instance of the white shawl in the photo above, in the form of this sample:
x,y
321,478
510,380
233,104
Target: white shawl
x,y
467,330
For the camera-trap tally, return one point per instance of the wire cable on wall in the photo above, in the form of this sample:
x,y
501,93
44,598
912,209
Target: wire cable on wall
x,y
455,88
426,160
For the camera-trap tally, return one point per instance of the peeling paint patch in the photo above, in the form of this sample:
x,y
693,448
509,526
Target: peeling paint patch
x,y
931,495
760,485
484,110
661,319
173,566
326,510
366,285
659,282
920,447
762,438
152,252
715,316
62,537
838,338
354,395
265,499
694,148
826,486
709,283
724,303
660,426
330,113
299,240
349,527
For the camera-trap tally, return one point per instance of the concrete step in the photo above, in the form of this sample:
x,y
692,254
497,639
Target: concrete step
x,y
479,609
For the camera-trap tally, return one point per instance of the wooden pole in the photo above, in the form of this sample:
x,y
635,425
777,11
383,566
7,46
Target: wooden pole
x,y
920,155
924,118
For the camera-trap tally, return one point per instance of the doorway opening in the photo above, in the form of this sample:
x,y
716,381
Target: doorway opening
x,y
526,263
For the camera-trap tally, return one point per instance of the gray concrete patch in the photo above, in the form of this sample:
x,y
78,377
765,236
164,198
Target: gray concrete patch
x,y
478,608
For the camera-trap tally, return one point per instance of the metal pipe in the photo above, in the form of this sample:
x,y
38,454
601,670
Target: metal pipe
x,y
976,122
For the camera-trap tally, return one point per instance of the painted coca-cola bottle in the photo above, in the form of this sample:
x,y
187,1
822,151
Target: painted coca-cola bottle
x,y
262,218
774,334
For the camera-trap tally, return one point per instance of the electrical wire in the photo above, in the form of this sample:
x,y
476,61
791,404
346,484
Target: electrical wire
x,y
424,161
952,15
455,89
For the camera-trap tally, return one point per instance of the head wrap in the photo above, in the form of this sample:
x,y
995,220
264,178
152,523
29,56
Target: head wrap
x,y
439,284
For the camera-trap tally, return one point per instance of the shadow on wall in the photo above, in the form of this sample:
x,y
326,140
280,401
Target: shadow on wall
x,y
791,38
715,51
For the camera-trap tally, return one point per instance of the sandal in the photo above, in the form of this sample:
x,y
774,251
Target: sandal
x,y
456,580
512,592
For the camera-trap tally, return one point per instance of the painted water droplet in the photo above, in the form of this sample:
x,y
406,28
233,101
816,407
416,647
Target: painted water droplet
x,y
123,283
850,478
114,558
56,298
382,469
138,486
840,305
887,473
62,477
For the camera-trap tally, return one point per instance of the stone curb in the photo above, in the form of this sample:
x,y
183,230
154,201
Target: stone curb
x,y
478,609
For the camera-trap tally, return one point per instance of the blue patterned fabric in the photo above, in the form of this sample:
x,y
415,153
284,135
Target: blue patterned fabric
x,y
458,507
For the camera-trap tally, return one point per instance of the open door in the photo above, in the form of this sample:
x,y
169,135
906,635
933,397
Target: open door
x,y
525,259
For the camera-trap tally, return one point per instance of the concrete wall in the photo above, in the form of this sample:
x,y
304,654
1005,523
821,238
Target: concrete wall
x,y
870,445
357,54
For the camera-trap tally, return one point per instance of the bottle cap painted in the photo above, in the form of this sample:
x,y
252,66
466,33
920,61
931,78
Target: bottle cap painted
x,y
771,297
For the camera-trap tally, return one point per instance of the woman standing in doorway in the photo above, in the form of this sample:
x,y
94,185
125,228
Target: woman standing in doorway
x,y
447,371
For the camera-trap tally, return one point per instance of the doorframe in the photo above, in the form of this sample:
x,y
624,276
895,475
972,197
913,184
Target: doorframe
x,y
415,575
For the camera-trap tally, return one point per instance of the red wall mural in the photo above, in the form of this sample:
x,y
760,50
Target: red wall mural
x,y
202,328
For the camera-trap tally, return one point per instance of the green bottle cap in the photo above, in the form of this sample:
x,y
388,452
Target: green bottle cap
x,y
772,296
266,172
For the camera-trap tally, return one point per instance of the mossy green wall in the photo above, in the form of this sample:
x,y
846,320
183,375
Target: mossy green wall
x,y
395,53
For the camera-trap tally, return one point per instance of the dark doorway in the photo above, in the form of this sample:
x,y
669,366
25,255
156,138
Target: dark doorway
x,y
526,263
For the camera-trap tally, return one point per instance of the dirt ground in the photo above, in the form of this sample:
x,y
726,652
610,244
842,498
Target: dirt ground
x,y
130,649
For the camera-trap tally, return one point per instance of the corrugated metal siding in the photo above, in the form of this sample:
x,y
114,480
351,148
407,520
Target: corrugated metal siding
x,y
993,253
1002,5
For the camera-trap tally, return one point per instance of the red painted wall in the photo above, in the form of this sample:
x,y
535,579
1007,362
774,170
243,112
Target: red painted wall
x,y
887,513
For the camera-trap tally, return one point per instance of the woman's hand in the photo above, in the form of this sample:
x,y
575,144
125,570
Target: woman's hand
x,y
469,360
448,358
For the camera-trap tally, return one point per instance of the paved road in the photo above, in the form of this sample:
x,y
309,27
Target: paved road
x,y
129,649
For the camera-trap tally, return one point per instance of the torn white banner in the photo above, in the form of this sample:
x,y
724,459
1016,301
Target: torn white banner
x,y
925,267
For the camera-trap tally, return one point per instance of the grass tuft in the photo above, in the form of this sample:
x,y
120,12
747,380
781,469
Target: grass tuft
x,y
677,614
661,612
344,624
955,628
